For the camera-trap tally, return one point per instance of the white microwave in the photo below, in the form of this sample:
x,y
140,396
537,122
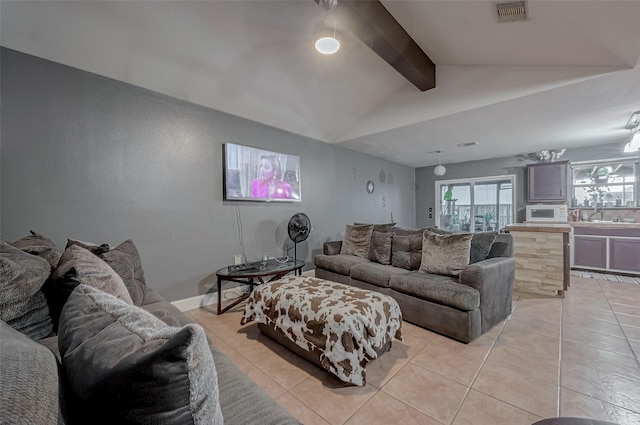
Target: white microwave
x,y
546,212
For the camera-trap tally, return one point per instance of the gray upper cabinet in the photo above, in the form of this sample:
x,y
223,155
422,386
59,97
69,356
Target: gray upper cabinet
x,y
548,181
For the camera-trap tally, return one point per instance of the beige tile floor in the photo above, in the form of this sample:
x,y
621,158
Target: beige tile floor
x,y
576,356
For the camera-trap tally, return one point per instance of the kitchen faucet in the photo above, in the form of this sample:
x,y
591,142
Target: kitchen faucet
x,y
595,211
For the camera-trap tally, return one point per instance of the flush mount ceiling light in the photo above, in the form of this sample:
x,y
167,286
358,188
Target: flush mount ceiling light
x,y
439,170
328,44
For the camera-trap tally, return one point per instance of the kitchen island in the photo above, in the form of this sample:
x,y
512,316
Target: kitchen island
x,y
542,257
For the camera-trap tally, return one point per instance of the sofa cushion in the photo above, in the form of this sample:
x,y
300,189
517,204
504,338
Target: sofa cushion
x,y
502,246
40,246
357,240
445,254
374,273
406,251
380,250
125,261
481,246
438,288
29,383
22,304
340,263
142,371
381,227
76,266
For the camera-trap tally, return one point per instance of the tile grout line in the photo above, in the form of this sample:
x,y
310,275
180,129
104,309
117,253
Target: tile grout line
x,y
484,360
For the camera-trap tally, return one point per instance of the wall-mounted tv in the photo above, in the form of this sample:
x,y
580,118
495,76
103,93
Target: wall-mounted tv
x,y
252,174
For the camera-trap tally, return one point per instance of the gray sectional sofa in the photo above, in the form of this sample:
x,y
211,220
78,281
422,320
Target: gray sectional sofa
x,y
461,307
37,382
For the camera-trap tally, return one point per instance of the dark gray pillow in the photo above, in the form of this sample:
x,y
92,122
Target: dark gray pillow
x,y
125,261
380,250
89,246
21,277
481,245
357,240
76,266
123,365
406,251
29,383
381,227
445,254
38,245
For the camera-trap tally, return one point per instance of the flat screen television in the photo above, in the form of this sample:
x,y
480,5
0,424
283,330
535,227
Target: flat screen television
x,y
253,174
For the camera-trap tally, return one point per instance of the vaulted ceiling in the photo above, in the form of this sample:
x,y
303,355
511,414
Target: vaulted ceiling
x,y
567,77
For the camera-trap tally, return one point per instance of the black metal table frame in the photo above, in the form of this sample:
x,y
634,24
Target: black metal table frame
x,y
252,279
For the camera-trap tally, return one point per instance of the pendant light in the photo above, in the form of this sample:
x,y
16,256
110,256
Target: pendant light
x,y
439,170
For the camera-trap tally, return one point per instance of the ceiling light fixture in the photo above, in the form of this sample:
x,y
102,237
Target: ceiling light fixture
x,y
439,170
327,42
633,125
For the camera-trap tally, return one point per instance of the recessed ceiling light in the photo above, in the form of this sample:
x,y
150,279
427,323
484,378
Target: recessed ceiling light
x,y
466,145
327,45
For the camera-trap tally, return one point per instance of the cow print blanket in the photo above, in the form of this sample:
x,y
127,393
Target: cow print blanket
x,y
342,324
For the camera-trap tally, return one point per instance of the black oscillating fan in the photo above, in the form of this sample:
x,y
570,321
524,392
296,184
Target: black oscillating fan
x,y
299,228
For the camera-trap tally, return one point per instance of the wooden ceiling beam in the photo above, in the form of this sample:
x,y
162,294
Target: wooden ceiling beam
x,y
372,23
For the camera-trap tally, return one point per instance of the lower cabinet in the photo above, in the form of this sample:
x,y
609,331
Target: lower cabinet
x,y
624,254
590,251
607,249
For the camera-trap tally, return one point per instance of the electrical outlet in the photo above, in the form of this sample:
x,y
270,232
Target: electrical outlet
x,y
237,259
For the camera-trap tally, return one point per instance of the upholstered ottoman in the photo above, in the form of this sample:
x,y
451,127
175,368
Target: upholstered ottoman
x,y
338,327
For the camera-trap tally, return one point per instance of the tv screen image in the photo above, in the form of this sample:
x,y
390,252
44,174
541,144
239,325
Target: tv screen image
x,y
253,174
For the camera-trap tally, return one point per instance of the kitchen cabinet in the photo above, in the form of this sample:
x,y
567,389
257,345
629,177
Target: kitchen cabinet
x,y
590,251
609,249
624,254
547,181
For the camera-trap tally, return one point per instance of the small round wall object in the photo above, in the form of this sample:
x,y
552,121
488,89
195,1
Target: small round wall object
x,y
370,187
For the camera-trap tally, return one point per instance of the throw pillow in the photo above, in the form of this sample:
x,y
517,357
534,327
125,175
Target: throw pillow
x,y
76,266
445,254
407,251
40,246
89,246
380,250
481,246
141,370
21,277
382,227
357,240
125,261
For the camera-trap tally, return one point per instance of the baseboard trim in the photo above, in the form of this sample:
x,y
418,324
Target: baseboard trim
x,y
207,300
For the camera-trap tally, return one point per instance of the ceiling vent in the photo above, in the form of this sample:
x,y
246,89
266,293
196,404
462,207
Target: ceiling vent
x,y
512,11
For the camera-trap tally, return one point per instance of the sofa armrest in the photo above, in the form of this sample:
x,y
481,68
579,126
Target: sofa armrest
x,y
493,278
331,247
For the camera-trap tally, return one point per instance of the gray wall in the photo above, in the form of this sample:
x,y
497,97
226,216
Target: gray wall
x,y
90,158
426,180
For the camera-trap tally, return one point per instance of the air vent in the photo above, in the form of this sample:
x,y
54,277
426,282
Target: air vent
x,y
512,11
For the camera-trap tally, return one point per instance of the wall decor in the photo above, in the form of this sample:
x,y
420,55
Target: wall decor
x,y
370,187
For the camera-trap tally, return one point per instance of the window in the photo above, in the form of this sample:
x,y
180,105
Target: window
x,y
609,183
475,205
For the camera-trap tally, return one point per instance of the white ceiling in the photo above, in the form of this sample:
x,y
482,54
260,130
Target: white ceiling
x,y
568,77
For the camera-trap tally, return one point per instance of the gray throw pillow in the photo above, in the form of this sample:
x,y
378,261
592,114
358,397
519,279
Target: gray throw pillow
x,y
125,261
407,251
445,254
89,246
124,365
481,245
357,240
76,266
21,277
380,250
40,246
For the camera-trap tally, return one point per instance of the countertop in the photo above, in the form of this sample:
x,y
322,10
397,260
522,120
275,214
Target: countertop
x,y
565,227
545,227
